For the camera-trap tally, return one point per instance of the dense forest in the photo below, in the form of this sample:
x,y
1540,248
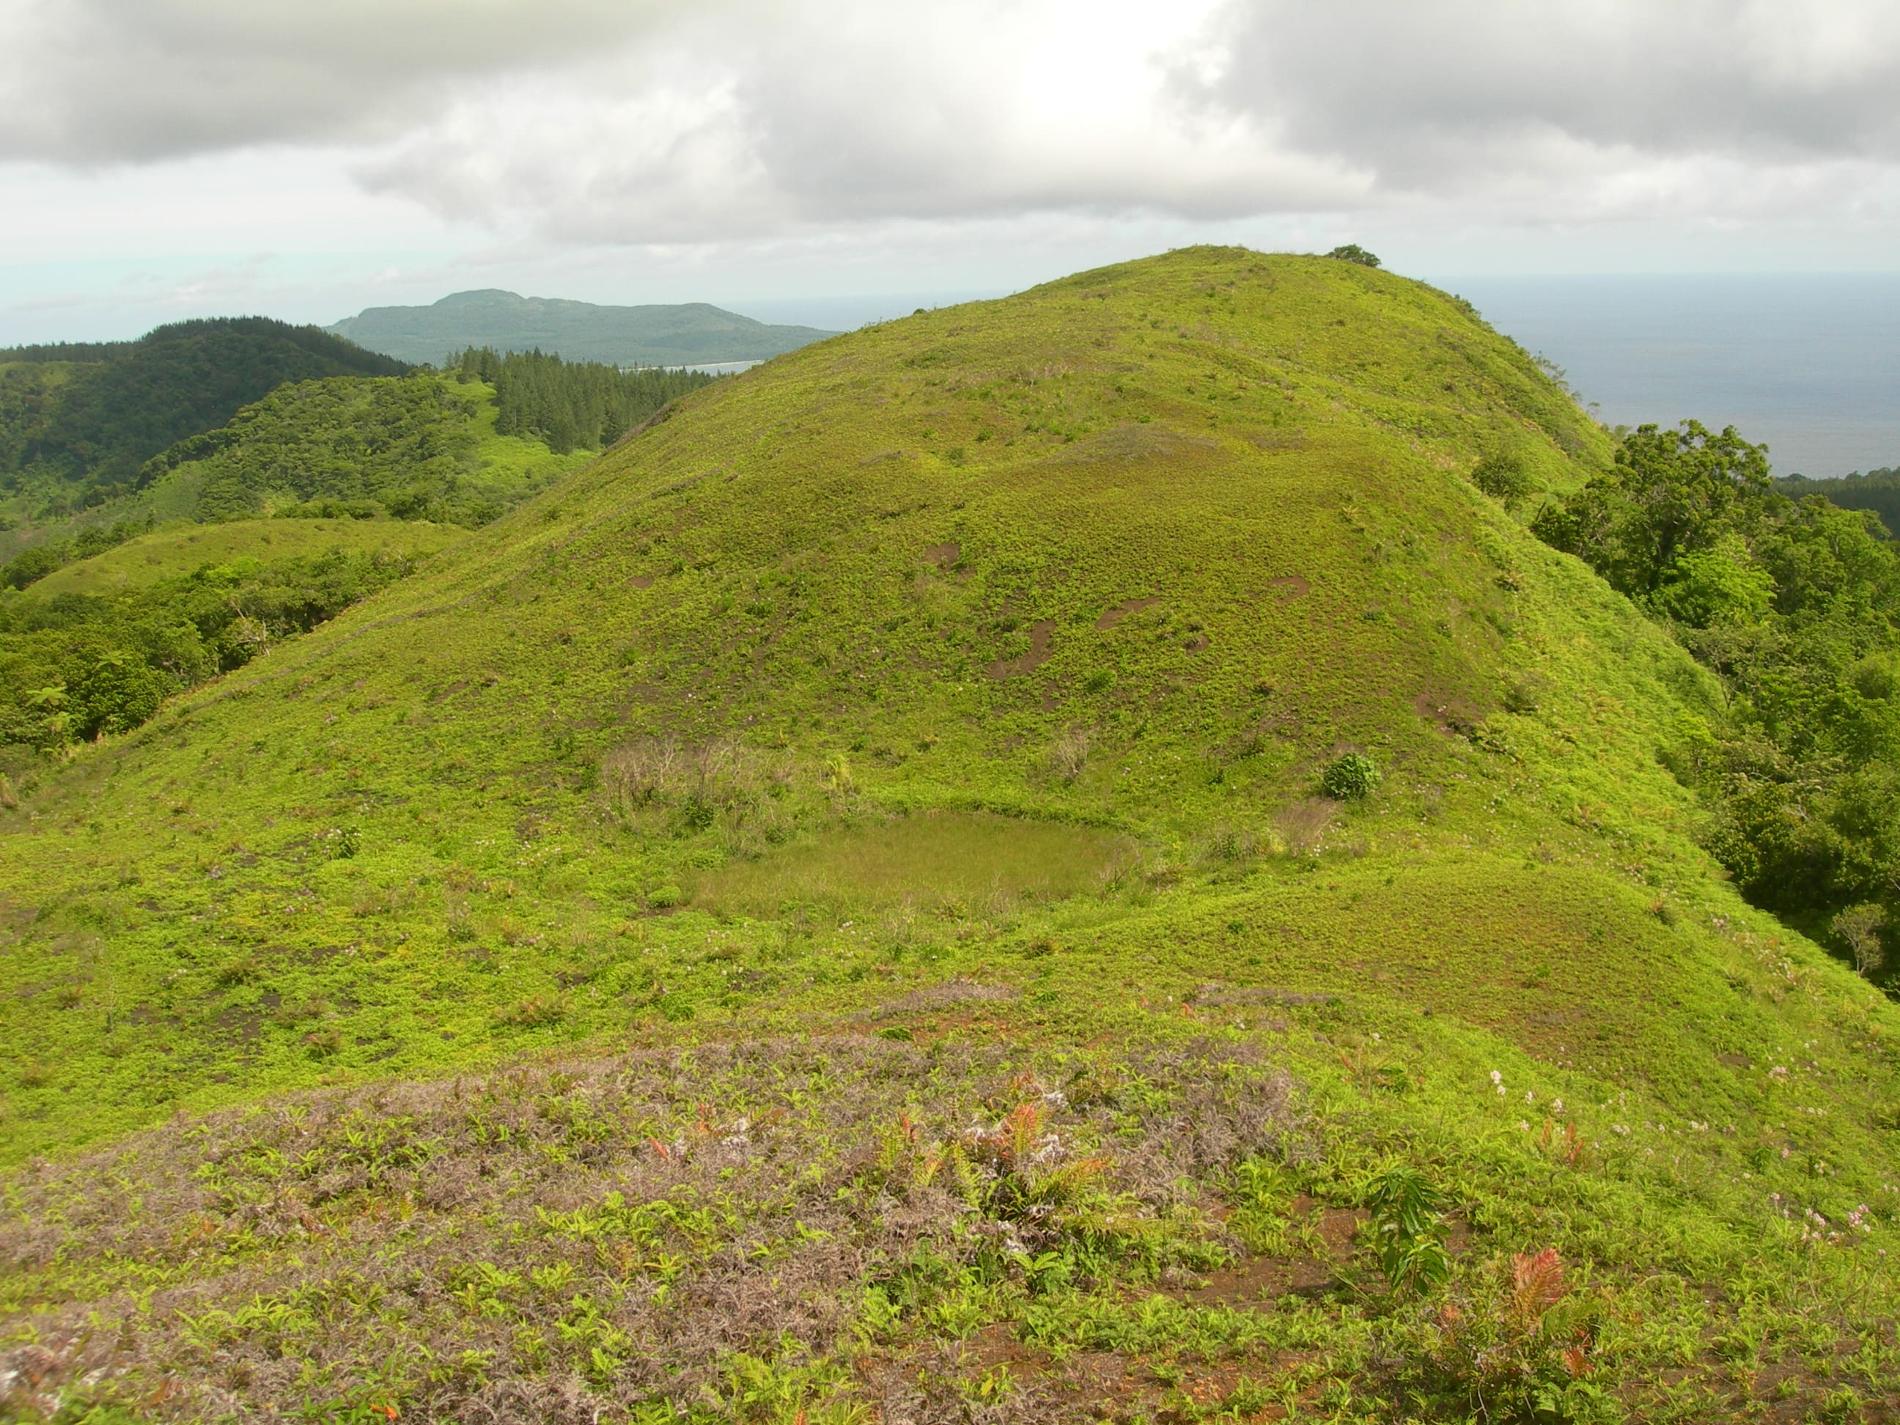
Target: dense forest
x,y
1795,605
394,447
91,415
1876,490
571,405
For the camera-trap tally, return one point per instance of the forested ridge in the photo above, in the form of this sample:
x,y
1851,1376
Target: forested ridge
x,y
668,334
92,414
459,447
1877,490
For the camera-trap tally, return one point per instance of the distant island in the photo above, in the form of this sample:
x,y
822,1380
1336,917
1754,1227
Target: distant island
x,y
683,334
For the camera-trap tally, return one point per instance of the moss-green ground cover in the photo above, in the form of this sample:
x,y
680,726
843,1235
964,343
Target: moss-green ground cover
x,y
1002,647
184,549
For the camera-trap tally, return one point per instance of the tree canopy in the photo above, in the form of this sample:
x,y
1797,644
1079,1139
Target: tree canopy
x,y
1795,606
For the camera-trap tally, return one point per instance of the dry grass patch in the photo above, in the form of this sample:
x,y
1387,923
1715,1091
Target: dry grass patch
x,y
673,1232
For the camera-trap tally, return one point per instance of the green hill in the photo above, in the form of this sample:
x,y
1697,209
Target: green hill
x,y
106,629
76,421
180,549
684,334
410,447
830,910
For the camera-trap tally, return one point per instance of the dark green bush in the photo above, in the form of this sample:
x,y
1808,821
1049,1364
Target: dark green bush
x,y
1352,252
1351,778
1503,477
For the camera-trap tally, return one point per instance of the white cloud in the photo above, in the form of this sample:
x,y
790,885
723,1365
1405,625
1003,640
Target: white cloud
x,y
757,143
720,130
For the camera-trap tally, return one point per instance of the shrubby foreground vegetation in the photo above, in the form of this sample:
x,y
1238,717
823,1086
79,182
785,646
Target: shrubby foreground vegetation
x,y
839,909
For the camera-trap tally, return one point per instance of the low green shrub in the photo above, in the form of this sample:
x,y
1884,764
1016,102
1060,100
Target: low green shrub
x,y
1350,778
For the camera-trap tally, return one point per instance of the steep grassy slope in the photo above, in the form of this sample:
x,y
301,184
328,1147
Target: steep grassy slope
x,y
896,769
654,335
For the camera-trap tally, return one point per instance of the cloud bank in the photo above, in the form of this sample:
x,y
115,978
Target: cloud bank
x,y
606,122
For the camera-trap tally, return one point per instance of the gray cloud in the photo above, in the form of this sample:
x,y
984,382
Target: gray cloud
x,y
1451,96
603,121
861,113
88,81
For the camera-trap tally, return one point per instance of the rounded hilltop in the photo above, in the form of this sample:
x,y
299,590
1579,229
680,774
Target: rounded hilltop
x,y
892,786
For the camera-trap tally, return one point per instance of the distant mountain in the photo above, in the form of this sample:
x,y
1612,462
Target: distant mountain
x,y
690,333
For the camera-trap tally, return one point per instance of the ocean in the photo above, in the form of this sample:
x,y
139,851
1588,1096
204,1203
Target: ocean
x,y
1810,365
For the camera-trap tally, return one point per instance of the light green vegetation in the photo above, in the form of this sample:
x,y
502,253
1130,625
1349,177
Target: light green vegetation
x,y
890,785
922,861
409,446
107,629
182,549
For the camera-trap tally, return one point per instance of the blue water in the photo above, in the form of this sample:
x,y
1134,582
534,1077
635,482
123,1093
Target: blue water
x,y
1810,364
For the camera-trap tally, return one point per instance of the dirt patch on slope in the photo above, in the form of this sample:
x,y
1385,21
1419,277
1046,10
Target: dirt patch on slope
x,y
1132,444
1040,635
1453,716
1113,616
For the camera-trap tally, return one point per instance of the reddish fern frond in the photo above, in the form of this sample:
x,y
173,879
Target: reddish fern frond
x,y
1537,1282
1021,1129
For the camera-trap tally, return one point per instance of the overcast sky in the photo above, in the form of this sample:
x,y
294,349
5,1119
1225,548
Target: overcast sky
x,y
306,158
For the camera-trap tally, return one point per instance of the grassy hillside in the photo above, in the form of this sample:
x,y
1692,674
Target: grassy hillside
x,y
828,909
171,552
681,334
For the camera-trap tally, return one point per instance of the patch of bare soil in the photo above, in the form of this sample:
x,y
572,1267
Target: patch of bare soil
x,y
1453,716
1111,617
1129,444
1040,635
